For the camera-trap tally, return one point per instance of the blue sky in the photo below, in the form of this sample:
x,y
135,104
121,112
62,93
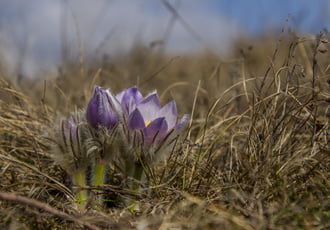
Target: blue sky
x,y
256,15
31,31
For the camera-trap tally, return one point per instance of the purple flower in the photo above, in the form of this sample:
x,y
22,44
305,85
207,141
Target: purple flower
x,y
147,115
129,98
102,109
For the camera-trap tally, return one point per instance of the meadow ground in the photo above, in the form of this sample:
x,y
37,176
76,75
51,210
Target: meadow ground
x,y
256,152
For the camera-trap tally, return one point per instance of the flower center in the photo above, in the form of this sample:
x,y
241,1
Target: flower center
x,y
147,123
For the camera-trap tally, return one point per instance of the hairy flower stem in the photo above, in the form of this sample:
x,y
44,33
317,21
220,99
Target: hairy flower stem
x,y
79,179
135,171
99,176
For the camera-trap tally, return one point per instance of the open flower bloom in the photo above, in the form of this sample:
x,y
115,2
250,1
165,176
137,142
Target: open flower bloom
x,y
155,124
101,109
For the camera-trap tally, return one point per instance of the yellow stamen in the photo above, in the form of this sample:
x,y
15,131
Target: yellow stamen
x,y
147,123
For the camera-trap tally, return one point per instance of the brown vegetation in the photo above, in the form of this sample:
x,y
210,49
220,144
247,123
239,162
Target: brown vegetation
x,y
256,154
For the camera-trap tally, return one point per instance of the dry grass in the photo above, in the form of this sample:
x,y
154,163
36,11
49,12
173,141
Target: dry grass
x,y
256,156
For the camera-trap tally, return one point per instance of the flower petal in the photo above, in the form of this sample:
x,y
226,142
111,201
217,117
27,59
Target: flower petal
x,y
107,116
120,95
135,120
149,107
114,103
92,108
182,123
157,127
131,97
134,93
170,113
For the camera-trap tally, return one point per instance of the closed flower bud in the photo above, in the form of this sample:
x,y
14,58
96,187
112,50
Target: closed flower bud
x,y
101,109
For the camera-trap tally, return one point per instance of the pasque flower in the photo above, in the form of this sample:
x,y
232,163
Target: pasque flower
x,y
71,152
101,109
149,131
146,116
126,131
103,114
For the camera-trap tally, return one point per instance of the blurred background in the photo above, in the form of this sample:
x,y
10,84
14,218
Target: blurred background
x,y
38,35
